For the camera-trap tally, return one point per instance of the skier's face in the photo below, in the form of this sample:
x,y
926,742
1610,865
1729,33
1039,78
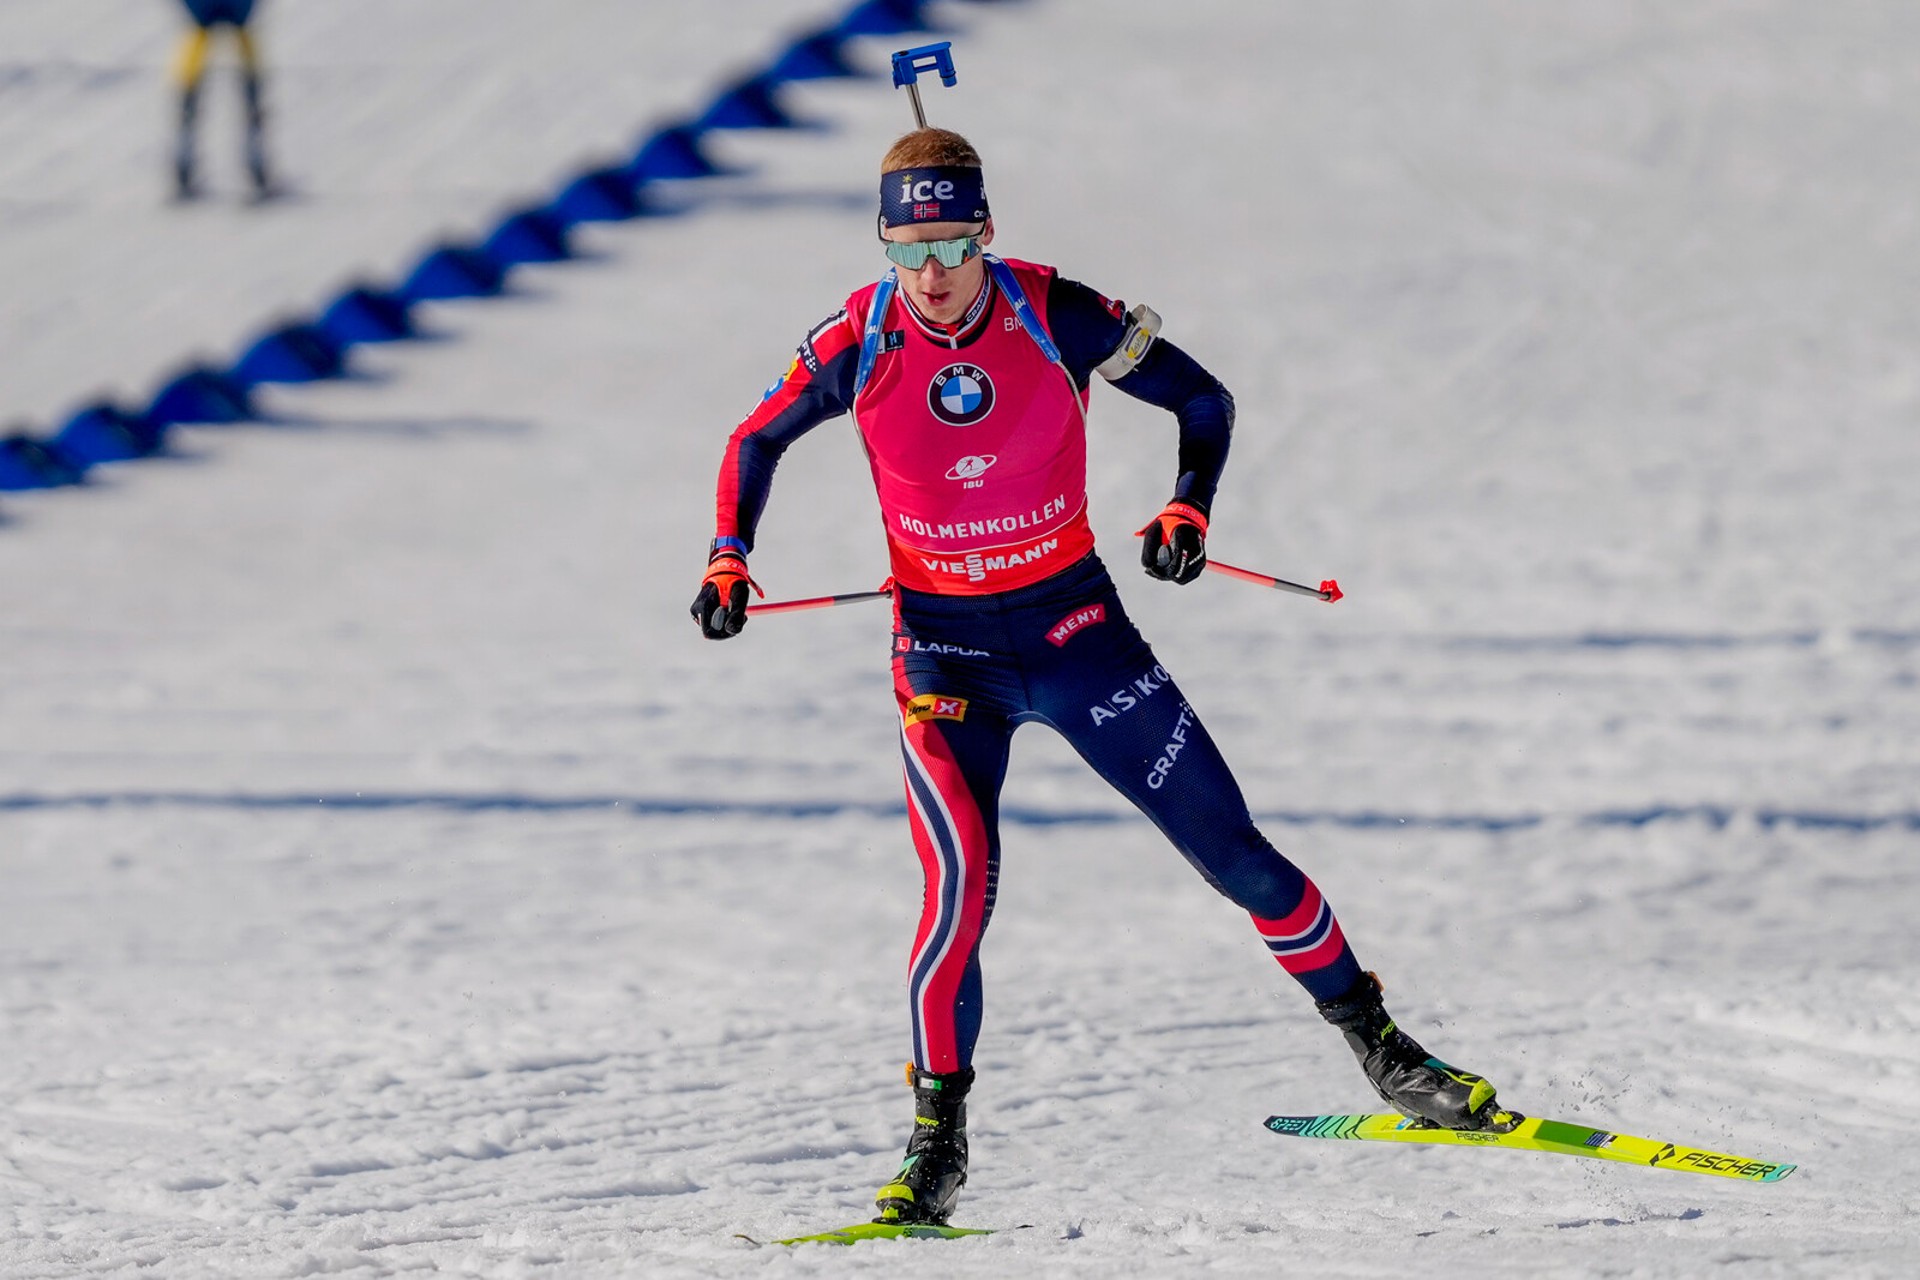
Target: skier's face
x,y
942,294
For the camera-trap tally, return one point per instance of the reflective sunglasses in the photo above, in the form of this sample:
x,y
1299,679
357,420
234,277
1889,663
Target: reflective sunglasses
x,y
949,253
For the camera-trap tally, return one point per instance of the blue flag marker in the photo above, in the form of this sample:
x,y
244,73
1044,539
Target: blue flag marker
x,y
908,65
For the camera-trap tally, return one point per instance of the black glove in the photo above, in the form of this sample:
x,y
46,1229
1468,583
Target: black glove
x,y
1174,546
721,606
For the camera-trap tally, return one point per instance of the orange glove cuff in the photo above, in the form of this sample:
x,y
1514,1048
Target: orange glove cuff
x,y
1176,513
725,569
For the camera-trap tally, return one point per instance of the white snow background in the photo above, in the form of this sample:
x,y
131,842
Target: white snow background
x,y
392,881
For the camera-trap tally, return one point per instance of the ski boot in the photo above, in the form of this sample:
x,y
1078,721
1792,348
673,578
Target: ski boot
x,y
1406,1076
935,1169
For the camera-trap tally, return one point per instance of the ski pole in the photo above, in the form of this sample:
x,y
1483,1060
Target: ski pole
x,y
820,602
1329,589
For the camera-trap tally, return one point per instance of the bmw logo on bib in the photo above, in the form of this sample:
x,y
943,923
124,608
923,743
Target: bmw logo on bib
x,y
960,395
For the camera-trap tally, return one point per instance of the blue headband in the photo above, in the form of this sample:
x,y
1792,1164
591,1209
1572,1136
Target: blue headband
x,y
943,193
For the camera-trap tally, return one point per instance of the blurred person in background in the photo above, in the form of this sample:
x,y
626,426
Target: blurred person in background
x,y
190,68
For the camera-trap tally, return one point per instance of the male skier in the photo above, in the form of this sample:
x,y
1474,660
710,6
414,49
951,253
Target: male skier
x,y
189,69
967,378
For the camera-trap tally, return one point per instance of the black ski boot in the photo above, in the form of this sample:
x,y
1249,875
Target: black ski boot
x,y
1407,1077
935,1169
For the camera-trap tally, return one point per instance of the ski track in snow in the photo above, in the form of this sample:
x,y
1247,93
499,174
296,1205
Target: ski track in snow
x,y
394,883
288,1044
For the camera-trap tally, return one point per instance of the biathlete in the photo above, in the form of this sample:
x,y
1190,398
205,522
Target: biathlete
x,y
190,69
967,377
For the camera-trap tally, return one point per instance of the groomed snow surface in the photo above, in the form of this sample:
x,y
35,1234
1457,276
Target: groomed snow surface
x,y
395,883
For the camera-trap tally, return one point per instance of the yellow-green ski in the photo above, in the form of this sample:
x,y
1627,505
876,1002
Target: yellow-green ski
x,y
1555,1136
887,1231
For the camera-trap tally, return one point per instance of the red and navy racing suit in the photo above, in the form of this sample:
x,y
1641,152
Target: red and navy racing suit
x,y
1003,614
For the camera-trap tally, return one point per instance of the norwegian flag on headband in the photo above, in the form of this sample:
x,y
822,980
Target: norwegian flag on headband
x,y
926,212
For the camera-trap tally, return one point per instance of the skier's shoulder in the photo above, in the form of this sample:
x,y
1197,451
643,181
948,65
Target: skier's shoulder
x,y
860,302
1027,270
1063,296
837,334
1087,324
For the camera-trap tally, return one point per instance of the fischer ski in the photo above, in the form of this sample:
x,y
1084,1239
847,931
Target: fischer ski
x,y
888,1231
1554,1136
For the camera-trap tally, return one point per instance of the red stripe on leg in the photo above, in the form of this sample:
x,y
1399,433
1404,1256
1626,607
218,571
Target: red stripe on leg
x,y
951,838
1295,920
1319,957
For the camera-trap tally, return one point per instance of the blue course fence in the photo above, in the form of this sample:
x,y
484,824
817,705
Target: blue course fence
x,y
364,312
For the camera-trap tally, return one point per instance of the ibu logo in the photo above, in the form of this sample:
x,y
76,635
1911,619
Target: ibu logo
x,y
970,468
960,395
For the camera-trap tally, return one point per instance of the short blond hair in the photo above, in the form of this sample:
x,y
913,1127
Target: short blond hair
x,y
930,148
